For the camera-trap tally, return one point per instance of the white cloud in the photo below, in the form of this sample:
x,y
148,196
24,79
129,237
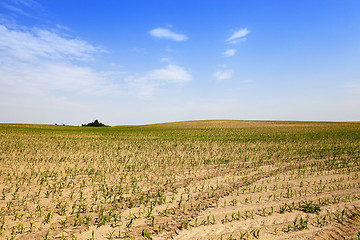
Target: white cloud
x,y
230,52
40,43
172,73
61,27
27,8
141,86
40,61
49,78
223,75
238,36
45,77
166,60
145,85
14,9
168,34
27,3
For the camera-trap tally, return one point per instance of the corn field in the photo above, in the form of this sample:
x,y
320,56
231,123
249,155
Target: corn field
x,y
186,180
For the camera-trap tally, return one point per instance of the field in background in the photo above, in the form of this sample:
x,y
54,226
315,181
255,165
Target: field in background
x,y
186,180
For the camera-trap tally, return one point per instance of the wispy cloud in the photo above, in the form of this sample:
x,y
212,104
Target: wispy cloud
x,y
230,52
56,79
168,34
145,85
21,7
172,73
238,36
43,62
223,74
61,27
165,59
27,3
13,8
39,60
40,43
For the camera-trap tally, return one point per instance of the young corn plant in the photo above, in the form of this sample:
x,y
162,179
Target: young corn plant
x,y
309,207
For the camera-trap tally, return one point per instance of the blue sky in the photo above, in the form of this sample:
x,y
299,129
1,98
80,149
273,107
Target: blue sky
x,y
138,62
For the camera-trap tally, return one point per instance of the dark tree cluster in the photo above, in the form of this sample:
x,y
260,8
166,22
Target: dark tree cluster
x,y
95,123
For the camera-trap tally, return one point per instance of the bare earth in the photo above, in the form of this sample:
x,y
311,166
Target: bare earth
x,y
187,180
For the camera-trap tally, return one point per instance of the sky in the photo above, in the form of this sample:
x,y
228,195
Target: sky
x,y
141,62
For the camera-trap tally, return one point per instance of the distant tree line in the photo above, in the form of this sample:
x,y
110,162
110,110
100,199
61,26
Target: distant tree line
x,y
95,123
